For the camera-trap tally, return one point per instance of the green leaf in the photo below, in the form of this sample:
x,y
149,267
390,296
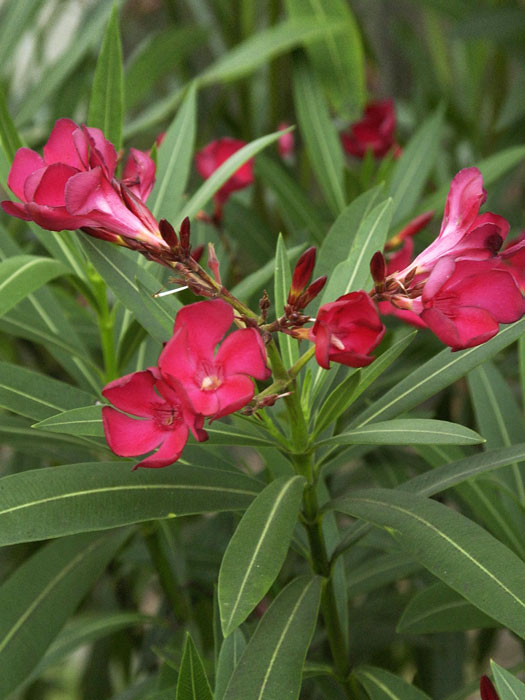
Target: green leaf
x,y
507,685
35,395
174,161
339,239
224,172
321,139
415,165
85,420
271,666
9,138
407,431
442,370
57,501
119,268
106,107
282,281
338,63
337,402
266,45
42,593
257,550
438,608
378,571
296,208
353,273
23,274
452,547
86,629
383,685
193,683
231,650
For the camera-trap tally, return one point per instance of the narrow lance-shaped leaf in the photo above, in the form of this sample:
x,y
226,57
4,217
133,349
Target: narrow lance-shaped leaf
x,y
224,172
507,685
106,107
193,683
272,664
452,547
282,280
23,274
438,608
174,161
322,142
41,594
257,550
57,501
383,685
231,651
407,431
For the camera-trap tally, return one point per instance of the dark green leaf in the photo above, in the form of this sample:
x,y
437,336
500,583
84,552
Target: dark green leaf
x,y
57,501
507,685
231,650
193,683
271,666
257,550
383,685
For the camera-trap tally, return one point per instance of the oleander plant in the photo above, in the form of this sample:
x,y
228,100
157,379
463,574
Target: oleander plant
x,y
262,359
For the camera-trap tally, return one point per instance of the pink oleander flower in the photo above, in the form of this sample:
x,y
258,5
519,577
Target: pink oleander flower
x,y
346,331
73,185
464,302
465,234
374,132
216,383
213,156
487,689
286,142
165,417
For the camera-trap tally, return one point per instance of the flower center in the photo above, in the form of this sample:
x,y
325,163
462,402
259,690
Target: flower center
x,y
166,416
210,382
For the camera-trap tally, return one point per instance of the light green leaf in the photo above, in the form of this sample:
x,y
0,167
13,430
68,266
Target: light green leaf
x,y
23,274
507,685
321,139
407,431
339,239
338,63
57,501
231,650
452,547
442,370
106,107
174,161
36,395
42,593
383,685
267,44
193,683
224,172
257,550
438,608
271,666
282,281
415,165
353,273
16,18
85,420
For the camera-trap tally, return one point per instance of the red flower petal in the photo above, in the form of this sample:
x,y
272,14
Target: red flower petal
x,y
128,437
50,189
169,451
24,164
243,352
60,147
206,323
133,393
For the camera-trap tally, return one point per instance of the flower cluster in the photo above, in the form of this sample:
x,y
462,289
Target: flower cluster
x,y
73,185
190,383
459,286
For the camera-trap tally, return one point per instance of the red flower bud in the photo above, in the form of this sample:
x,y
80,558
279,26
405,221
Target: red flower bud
x,y
168,233
378,267
311,292
213,263
184,235
301,274
487,689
